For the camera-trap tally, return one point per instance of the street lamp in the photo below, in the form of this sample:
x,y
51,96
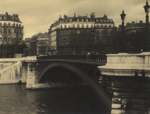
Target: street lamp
x,y
122,47
147,42
93,40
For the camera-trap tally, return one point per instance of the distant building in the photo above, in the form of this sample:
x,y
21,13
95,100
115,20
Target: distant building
x,y
40,44
78,34
11,29
11,34
133,27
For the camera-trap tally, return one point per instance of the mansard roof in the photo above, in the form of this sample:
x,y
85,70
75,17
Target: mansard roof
x,y
7,17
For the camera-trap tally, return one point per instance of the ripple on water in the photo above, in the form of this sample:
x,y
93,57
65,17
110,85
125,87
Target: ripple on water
x,y
15,99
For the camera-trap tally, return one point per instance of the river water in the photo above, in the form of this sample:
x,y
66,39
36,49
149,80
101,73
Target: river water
x,y
15,99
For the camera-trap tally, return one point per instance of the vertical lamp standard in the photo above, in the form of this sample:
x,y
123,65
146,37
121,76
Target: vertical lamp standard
x,y
147,42
93,40
122,47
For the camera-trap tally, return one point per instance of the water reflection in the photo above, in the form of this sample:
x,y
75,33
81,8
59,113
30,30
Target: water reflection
x,y
15,99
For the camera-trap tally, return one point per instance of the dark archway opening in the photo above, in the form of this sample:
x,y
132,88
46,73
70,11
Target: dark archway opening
x,y
77,99
62,76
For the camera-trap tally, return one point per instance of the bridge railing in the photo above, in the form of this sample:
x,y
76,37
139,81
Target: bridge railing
x,y
93,57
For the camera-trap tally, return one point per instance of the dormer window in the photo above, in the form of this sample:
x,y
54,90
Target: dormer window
x,y
4,17
97,20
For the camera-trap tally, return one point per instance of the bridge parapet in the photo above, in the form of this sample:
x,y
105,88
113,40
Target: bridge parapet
x,y
11,74
130,85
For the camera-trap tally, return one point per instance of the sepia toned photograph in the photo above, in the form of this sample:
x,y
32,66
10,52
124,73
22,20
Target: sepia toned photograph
x,y
74,57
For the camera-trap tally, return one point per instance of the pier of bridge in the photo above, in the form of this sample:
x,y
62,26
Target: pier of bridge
x,y
130,74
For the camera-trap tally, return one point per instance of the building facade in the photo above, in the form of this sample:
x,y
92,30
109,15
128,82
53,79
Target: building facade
x,y
79,34
39,44
11,28
11,33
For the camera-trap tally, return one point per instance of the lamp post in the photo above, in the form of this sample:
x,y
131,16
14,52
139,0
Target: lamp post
x,y
93,40
147,42
122,40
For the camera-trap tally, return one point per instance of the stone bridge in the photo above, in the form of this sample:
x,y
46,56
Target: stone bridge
x,y
51,71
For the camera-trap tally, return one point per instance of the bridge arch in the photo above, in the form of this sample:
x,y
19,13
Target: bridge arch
x,y
83,76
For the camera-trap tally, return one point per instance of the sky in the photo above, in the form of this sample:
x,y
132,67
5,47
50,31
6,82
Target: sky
x,y
38,15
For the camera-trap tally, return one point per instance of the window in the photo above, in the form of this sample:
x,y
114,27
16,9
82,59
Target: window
x,y
105,26
0,30
5,30
109,26
97,26
97,20
87,26
61,27
9,31
82,25
65,26
91,26
8,24
14,30
73,26
4,24
78,26
101,26
0,24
